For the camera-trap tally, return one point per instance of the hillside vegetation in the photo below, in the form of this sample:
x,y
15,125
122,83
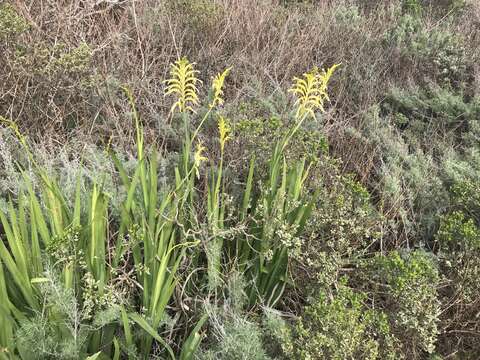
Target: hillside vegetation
x,y
239,179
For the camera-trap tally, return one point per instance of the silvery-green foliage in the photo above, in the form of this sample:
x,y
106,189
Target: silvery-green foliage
x,y
439,52
348,14
234,336
75,161
415,171
56,332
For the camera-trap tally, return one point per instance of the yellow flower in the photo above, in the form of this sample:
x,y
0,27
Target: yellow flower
x,y
199,158
183,84
311,91
224,131
217,86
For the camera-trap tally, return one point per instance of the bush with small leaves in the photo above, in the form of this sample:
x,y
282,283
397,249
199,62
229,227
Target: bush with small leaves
x,y
425,141
467,197
405,286
426,113
11,23
458,240
348,16
199,16
341,327
342,227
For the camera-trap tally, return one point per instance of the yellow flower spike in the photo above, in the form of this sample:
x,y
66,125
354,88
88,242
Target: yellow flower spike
x,y
183,84
217,86
311,91
324,78
224,131
199,158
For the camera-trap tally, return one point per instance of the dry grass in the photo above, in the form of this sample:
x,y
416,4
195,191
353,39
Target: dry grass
x,y
133,42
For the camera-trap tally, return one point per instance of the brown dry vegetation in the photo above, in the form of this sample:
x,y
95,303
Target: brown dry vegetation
x,y
267,44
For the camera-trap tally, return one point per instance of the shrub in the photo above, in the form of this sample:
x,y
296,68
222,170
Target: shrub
x,y
467,197
341,229
413,7
61,75
424,142
458,239
348,15
11,23
201,16
439,53
341,327
345,220
422,114
457,232
407,291
411,193
446,7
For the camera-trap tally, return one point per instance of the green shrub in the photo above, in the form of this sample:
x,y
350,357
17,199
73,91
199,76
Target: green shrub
x,y
425,113
236,334
404,32
409,190
457,232
447,7
425,141
467,197
345,220
201,16
407,290
343,225
439,54
54,62
342,327
57,78
11,23
348,15
277,335
458,240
